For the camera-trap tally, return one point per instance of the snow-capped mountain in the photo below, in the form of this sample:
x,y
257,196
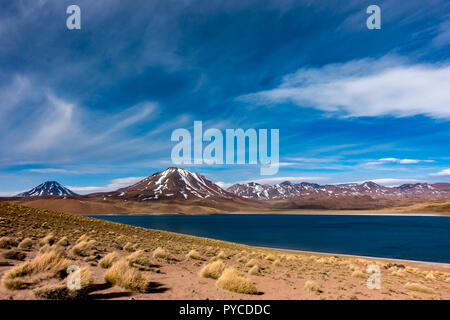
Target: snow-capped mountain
x,y
48,188
174,183
288,190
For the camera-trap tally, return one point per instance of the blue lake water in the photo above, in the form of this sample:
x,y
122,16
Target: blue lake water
x,y
401,237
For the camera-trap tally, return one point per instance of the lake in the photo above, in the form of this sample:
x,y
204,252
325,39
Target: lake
x,y
402,237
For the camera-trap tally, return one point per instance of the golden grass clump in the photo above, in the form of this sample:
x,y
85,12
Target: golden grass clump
x,y
251,263
418,287
270,257
129,247
231,281
359,274
63,242
312,286
353,267
430,276
213,270
14,255
107,261
411,269
52,263
48,239
25,244
364,261
84,237
254,270
139,258
84,248
6,243
48,248
122,275
60,291
194,254
291,257
398,272
277,263
242,259
161,253
221,255
322,260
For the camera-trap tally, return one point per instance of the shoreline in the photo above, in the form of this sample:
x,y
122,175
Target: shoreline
x,y
324,213
441,264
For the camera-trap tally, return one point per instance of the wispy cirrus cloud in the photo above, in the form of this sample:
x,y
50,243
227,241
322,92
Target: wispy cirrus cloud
x,y
442,173
48,170
366,87
397,160
111,186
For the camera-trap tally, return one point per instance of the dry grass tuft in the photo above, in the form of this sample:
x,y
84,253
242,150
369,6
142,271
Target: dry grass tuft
x,y
52,263
430,276
84,248
14,255
139,258
194,254
251,263
122,275
353,267
213,270
161,253
359,274
291,257
48,239
231,281
25,244
254,270
399,272
62,292
270,257
6,243
84,237
63,242
277,263
418,287
312,286
47,248
107,261
222,255
129,247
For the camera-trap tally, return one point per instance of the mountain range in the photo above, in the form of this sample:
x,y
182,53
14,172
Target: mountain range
x,y
48,188
177,190
288,190
181,184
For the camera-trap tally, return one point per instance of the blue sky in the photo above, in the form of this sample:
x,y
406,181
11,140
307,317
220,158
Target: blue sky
x,y
94,108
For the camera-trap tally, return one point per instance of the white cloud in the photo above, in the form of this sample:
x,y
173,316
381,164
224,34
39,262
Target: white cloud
x,y
224,185
366,87
396,160
48,170
443,38
57,124
443,173
112,186
10,193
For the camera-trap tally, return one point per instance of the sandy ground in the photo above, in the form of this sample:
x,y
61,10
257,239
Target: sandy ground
x,y
284,279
